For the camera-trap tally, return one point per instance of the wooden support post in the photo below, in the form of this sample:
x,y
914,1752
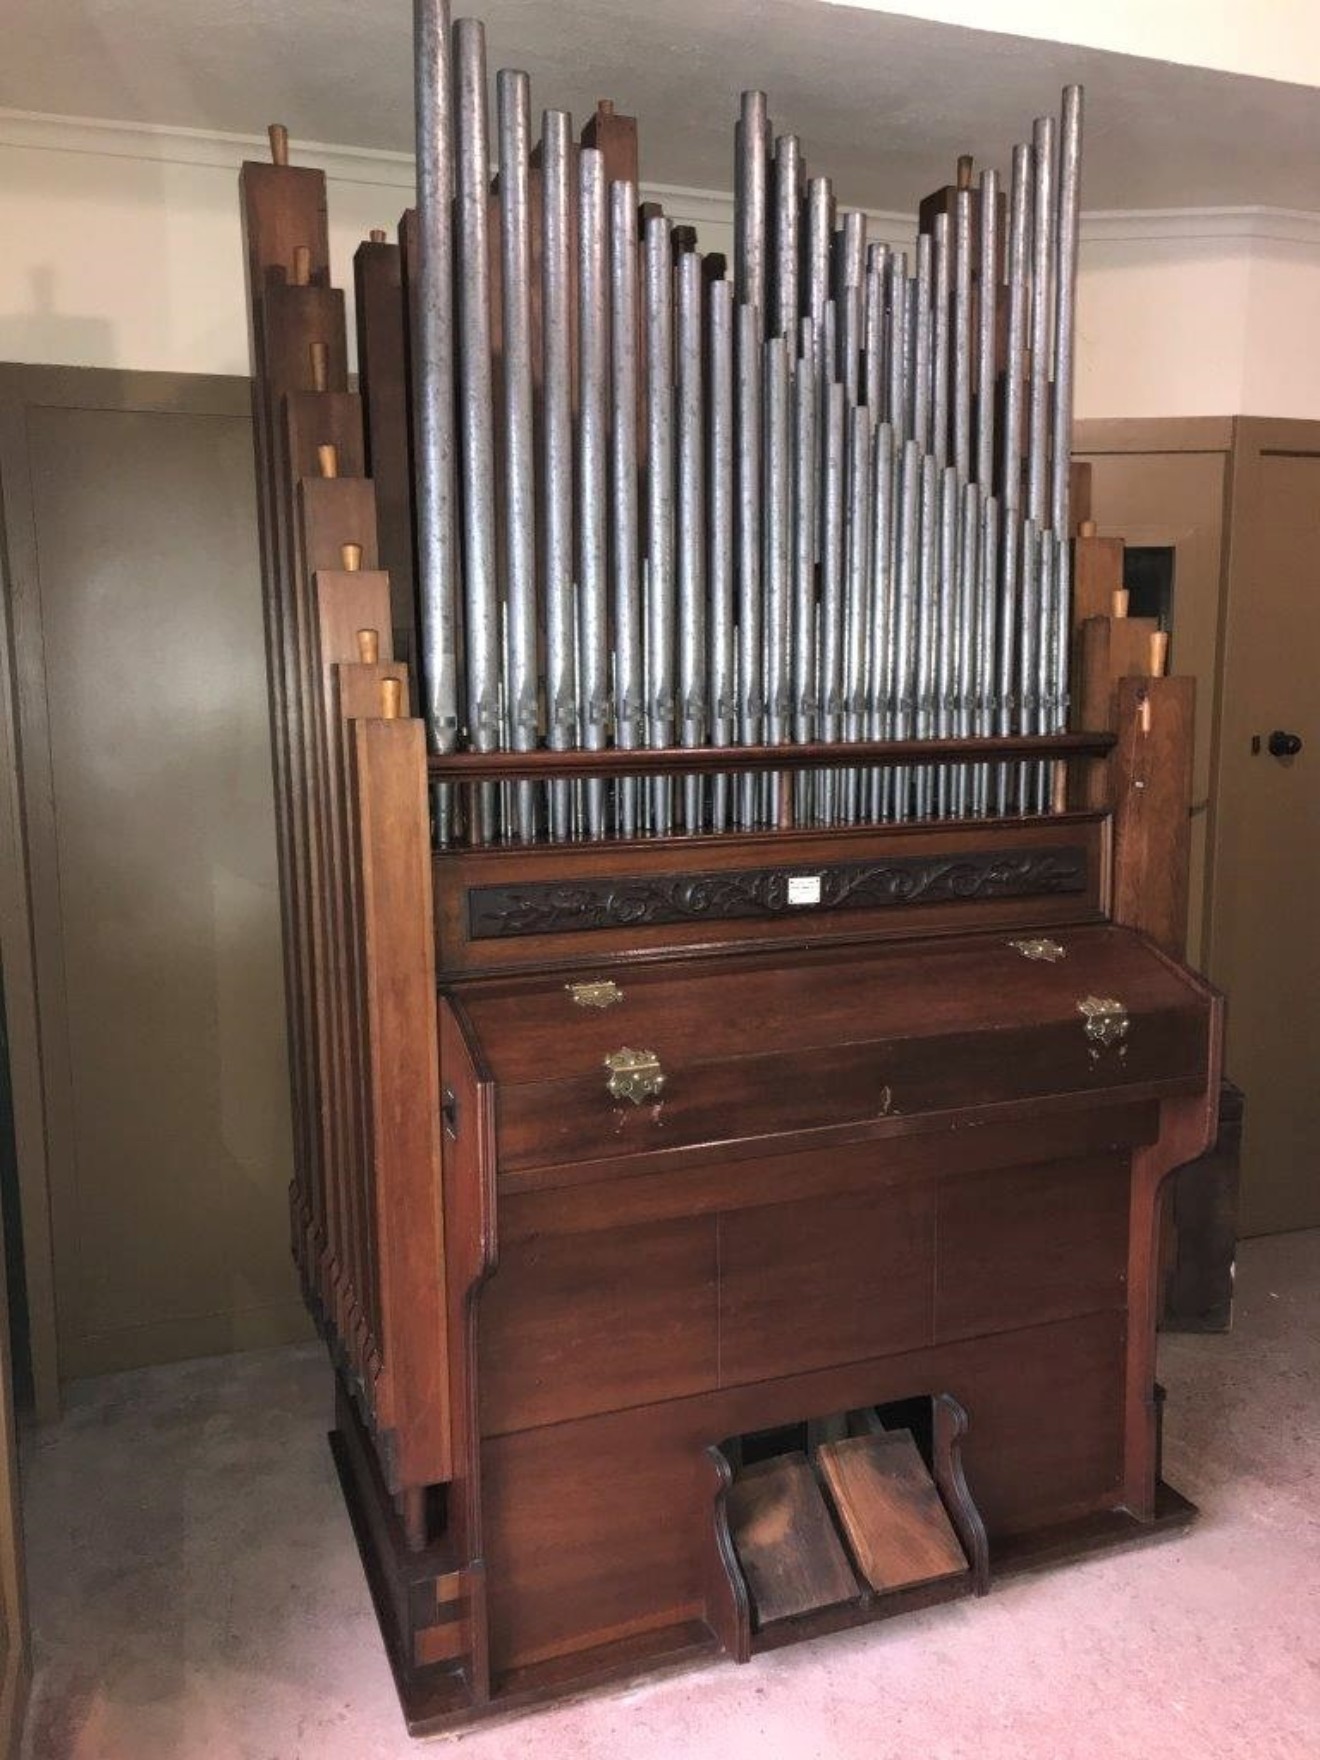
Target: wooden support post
x,y
1152,796
392,850
1097,573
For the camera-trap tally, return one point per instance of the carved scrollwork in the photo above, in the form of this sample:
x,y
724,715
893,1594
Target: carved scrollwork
x,y
633,901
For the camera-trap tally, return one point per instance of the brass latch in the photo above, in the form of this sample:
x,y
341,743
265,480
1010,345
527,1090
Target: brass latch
x,y
1039,947
634,1075
595,993
1106,1020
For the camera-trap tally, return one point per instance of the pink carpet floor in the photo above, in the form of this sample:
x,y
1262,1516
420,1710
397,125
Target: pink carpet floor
x,y
196,1594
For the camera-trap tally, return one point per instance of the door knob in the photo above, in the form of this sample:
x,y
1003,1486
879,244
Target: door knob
x,y
1283,745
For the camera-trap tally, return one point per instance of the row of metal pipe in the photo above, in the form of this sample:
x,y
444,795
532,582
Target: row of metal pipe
x,y
822,499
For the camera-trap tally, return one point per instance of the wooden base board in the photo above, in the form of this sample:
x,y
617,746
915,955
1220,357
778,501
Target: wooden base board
x,y
437,1699
1104,1532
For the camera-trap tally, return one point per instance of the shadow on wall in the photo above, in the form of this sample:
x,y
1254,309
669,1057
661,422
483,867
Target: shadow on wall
x,y
43,332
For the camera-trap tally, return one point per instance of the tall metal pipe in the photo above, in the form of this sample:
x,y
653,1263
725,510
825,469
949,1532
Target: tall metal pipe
x,y
880,602
476,426
592,471
898,407
625,559
557,241
659,503
513,101
806,453
778,512
788,224
941,349
986,329
747,473
433,383
848,308
691,511
921,320
873,331
819,241
720,565
1019,233
1042,246
857,600
962,335
829,690
752,154
1070,170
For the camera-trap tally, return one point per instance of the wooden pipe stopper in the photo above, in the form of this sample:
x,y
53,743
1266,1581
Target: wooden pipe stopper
x,y
302,265
1086,529
350,558
368,644
378,235
1159,653
1120,602
965,171
604,106
328,459
320,357
279,143
391,699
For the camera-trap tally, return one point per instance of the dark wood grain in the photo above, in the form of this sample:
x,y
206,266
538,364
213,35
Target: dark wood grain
x,y
805,1285
713,760
460,873
888,1506
785,1541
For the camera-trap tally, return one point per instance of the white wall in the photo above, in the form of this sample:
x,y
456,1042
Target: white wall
x,y
1271,39
123,249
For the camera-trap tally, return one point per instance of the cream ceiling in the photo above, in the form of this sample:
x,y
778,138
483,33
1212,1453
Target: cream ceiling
x,y
883,103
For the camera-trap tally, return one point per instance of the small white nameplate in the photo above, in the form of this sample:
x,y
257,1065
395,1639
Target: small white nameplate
x,y
804,889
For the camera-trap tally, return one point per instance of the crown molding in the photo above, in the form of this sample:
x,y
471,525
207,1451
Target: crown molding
x,y
209,148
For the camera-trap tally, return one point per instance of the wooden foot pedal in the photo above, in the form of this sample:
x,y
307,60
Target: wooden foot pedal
x,y
890,1510
786,1543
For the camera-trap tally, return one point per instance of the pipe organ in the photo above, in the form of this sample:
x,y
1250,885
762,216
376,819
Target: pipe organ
x,y
731,861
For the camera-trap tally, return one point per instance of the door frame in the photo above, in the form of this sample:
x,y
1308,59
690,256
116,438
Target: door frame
x,y
30,942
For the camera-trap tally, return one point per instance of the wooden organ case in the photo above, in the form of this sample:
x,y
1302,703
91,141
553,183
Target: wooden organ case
x,y
727,1162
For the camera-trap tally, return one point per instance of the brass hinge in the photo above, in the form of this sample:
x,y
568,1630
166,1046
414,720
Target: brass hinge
x,y
1039,947
634,1075
1106,1020
595,993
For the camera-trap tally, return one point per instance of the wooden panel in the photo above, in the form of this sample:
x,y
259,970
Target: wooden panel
x,y
458,872
890,1510
571,1199
1097,574
1030,1244
337,511
402,1068
592,1323
1152,779
1044,1438
803,1285
869,1090
590,1535
785,1541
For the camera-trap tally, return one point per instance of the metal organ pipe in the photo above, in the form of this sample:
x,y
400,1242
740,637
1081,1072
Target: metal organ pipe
x,y
807,501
